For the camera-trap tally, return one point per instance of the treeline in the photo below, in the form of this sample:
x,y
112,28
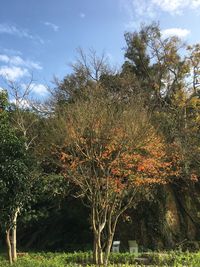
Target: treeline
x,y
113,149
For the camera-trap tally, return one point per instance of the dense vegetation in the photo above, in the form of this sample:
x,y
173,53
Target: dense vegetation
x,y
80,259
111,154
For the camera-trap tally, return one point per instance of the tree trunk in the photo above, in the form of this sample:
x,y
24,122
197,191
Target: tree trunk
x,y
111,232
95,254
97,249
13,243
108,248
100,256
14,237
9,246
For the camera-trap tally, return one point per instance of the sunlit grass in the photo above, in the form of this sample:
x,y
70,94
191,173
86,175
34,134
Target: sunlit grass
x,y
78,259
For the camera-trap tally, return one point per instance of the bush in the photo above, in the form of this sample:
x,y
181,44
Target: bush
x,y
79,259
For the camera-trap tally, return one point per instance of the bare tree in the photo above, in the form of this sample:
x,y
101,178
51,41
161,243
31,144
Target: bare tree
x,y
91,64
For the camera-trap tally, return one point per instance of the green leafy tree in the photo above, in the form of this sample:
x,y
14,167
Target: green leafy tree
x,y
167,71
15,178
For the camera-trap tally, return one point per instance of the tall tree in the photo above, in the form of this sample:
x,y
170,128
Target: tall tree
x,y
113,155
168,74
15,178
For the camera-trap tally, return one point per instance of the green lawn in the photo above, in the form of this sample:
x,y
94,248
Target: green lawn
x,y
176,259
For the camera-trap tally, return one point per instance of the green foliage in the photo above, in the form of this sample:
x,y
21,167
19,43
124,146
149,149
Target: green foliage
x,y
174,258
15,181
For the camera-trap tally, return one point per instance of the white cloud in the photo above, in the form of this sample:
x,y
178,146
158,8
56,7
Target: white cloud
x,y
39,88
16,31
53,26
19,61
9,29
181,33
138,11
11,51
176,6
21,103
13,73
82,15
34,65
4,58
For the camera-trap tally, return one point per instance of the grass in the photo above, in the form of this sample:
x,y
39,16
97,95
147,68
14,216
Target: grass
x,y
78,259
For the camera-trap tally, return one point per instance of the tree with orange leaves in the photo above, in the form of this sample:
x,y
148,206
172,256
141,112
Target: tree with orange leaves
x,y
114,157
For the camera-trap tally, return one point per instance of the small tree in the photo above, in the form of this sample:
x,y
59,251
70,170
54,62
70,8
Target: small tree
x,y
113,155
15,180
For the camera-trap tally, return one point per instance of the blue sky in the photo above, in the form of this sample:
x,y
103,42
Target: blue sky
x,y
41,37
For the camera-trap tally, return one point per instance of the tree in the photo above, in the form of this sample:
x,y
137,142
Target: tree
x,y
24,121
168,73
86,73
15,178
112,154
156,62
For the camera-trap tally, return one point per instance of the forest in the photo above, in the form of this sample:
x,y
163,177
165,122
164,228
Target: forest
x,y
112,154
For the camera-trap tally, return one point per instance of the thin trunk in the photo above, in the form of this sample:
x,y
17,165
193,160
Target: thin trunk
x,y
95,254
93,222
185,117
111,232
108,248
9,246
99,250
13,243
186,164
100,256
14,237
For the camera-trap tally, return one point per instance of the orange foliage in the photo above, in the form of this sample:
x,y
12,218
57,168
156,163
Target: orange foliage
x,y
125,166
194,177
